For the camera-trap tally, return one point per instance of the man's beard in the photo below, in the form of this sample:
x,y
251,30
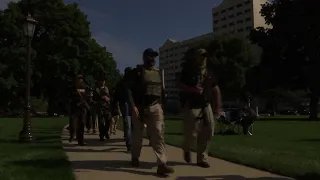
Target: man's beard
x,y
150,62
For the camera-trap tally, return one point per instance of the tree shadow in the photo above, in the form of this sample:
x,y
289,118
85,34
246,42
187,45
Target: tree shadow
x,y
10,141
309,140
111,150
283,119
228,177
43,163
309,176
47,147
48,137
174,133
119,166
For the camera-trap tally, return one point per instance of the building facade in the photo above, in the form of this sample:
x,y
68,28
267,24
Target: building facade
x,y
231,18
170,55
237,18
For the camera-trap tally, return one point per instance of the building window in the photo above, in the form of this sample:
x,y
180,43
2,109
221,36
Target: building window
x,y
223,11
231,24
215,14
248,19
247,2
223,19
239,21
248,10
240,30
230,8
231,16
248,28
239,5
224,26
216,21
239,13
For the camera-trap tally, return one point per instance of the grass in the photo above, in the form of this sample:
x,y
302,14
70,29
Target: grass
x,y
289,148
42,160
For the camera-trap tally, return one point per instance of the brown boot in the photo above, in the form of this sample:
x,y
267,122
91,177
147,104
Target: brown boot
x,y
203,164
164,169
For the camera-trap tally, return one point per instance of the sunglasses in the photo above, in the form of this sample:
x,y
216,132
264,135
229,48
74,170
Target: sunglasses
x,y
203,55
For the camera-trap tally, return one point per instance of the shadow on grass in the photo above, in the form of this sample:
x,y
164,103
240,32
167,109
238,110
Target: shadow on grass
x,y
228,177
174,133
10,141
47,138
42,163
283,119
309,176
217,133
309,140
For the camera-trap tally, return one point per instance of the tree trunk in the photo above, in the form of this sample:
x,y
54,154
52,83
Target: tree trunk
x,y
314,100
51,107
274,108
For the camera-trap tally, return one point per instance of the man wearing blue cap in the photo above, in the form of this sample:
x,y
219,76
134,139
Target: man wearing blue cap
x,y
146,93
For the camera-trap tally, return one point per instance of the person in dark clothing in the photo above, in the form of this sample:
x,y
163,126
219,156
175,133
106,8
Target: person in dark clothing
x,y
91,116
121,97
249,116
102,96
78,110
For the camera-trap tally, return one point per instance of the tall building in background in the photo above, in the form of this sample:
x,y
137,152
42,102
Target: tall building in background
x,y
232,18
170,55
237,18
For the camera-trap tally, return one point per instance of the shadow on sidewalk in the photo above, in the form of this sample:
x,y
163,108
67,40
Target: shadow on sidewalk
x,y
117,150
228,177
97,143
119,166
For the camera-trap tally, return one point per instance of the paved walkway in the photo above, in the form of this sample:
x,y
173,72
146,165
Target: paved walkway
x,y
109,160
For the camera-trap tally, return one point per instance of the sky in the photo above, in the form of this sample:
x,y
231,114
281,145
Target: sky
x,y
127,27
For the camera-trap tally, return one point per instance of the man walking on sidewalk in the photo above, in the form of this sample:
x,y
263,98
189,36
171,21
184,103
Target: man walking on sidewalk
x,y
201,99
145,94
102,96
121,97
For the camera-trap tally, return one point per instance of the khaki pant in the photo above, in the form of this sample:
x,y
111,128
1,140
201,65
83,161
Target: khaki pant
x,y
154,119
113,126
76,124
200,128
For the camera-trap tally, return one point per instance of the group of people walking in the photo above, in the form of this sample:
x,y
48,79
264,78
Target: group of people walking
x,y
140,97
87,105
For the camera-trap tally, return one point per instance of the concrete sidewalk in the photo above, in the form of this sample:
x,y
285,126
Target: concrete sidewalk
x,y
109,160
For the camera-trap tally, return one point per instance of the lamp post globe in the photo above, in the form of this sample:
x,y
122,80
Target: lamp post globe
x,y
28,28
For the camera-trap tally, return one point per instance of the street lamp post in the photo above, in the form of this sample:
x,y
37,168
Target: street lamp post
x,y
28,28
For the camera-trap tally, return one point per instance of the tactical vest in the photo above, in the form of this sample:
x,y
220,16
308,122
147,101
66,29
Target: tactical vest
x,y
152,81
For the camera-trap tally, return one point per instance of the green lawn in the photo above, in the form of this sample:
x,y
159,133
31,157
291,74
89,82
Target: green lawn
x,y
290,148
42,160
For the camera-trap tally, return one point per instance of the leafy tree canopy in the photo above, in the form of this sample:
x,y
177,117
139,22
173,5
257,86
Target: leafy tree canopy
x,y
291,46
62,48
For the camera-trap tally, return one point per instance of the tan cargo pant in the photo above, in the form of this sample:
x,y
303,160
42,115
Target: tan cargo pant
x,y
154,119
202,129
